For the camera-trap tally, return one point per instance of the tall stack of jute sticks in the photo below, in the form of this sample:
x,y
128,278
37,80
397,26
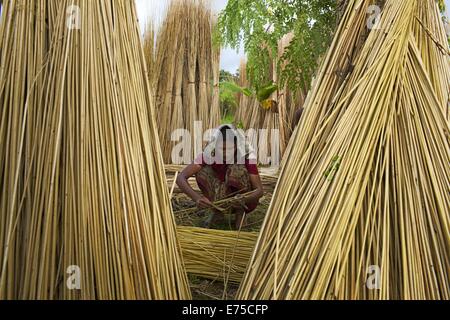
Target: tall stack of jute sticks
x,y
251,115
428,29
289,101
187,69
84,208
149,50
362,208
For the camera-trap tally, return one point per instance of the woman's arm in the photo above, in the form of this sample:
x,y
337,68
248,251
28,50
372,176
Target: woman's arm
x,y
182,182
253,197
258,191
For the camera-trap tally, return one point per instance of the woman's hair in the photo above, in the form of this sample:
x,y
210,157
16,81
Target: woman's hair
x,y
224,131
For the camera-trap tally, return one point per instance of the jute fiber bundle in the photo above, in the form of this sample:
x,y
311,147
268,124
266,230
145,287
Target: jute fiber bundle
x,y
187,72
332,76
286,110
215,112
170,46
216,254
243,105
149,51
368,194
277,123
431,38
84,208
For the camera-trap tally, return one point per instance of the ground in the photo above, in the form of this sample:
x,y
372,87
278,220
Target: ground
x,y
204,289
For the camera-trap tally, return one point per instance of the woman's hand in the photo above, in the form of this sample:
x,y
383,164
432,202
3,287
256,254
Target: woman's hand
x,y
204,203
238,202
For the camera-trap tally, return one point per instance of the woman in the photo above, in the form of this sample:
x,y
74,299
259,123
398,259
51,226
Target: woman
x,y
225,168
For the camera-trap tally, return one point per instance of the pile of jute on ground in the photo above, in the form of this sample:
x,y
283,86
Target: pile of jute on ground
x,y
216,254
365,186
186,72
81,173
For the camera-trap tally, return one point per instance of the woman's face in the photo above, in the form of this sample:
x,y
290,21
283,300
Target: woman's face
x,y
225,152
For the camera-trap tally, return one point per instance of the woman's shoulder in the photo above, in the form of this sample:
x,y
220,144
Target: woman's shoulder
x,y
200,159
252,166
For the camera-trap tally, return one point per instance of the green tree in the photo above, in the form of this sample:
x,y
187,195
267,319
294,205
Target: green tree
x,y
228,76
260,24
228,97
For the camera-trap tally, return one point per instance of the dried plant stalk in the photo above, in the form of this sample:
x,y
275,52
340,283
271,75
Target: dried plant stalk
x,y
366,181
81,172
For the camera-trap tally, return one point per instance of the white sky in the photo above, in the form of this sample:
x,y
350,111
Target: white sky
x,y
447,5
155,9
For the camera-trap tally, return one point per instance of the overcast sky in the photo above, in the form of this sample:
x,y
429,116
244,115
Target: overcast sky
x,y
447,5
156,9
230,59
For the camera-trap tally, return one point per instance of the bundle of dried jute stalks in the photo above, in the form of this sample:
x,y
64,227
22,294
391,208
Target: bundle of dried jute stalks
x,y
362,208
84,206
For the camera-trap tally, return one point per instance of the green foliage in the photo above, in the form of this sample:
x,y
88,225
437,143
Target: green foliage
x,y
266,92
260,24
228,119
441,4
240,125
228,102
227,76
228,93
234,88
